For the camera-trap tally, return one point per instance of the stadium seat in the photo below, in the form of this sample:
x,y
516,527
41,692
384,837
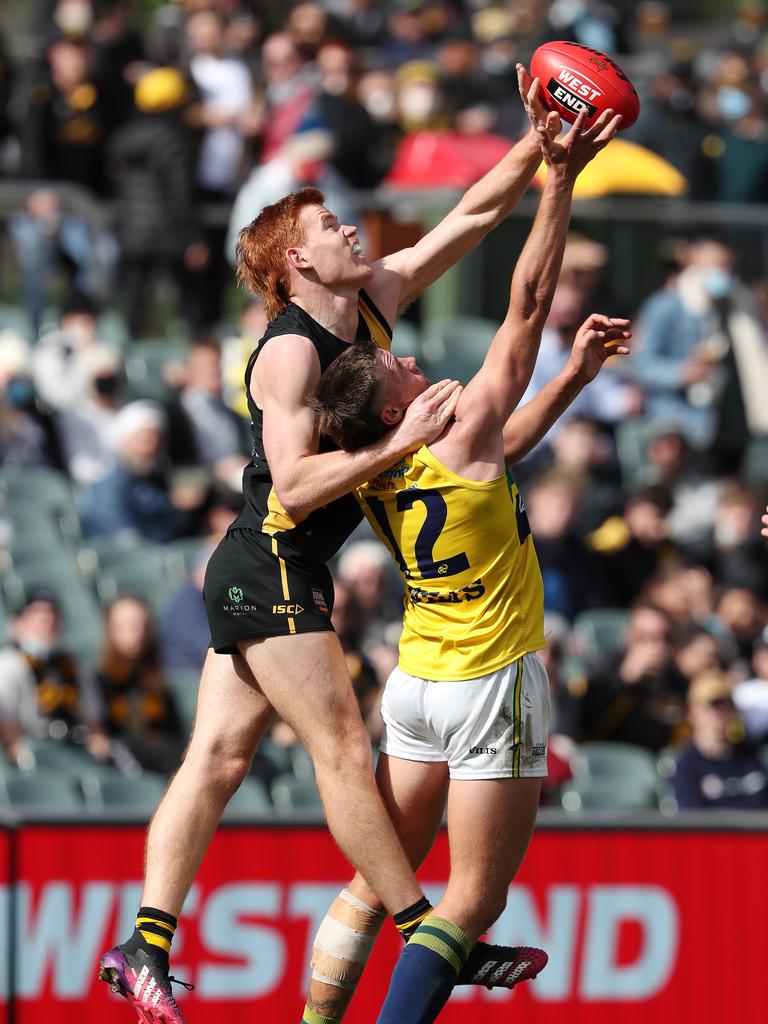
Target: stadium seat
x,y
606,794
457,347
42,494
142,794
42,790
64,757
250,798
290,793
144,363
599,629
406,340
184,684
278,756
619,761
632,439
142,572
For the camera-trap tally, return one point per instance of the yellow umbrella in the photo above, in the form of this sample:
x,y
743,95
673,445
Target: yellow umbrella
x,y
625,167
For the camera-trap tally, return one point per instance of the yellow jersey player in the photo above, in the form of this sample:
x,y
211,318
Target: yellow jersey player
x,y
467,708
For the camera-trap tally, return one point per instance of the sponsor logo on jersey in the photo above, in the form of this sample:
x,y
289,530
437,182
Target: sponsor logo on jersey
x,y
386,481
482,750
287,609
235,594
471,592
319,598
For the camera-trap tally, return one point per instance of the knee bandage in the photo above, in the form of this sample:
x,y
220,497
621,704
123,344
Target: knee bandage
x,y
344,941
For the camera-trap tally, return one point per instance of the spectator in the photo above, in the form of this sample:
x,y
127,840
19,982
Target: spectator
x,y
751,696
139,713
742,616
202,429
717,770
561,749
695,333
685,593
42,692
631,548
365,567
118,58
567,567
698,652
27,435
635,693
733,550
136,497
184,632
151,165
347,620
86,428
59,359
63,133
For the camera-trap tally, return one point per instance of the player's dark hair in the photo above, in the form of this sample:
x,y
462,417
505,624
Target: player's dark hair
x,y
345,399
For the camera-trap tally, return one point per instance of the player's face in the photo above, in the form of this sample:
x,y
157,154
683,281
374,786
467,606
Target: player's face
x,y
401,380
332,249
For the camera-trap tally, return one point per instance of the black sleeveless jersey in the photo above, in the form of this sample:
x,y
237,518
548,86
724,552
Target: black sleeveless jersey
x,y
321,534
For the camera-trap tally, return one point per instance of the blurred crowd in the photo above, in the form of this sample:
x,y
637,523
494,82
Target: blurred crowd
x,y
644,500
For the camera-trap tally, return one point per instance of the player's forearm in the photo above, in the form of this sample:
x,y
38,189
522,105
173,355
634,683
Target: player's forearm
x,y
316,480
528,424
489,200
538,267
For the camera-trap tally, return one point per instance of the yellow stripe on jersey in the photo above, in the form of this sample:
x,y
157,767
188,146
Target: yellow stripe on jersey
x,y
277,519
474,598
381,332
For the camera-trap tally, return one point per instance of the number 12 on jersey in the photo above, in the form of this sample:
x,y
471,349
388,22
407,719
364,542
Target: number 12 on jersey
x,y
437,513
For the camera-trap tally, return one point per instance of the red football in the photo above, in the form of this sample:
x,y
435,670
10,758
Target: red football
x,y
575,77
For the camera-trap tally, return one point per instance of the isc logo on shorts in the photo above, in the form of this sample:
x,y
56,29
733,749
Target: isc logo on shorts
x,y
286,609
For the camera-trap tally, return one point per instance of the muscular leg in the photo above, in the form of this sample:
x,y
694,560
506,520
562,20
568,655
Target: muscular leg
x,y
490,823
414,794
305,679
232,715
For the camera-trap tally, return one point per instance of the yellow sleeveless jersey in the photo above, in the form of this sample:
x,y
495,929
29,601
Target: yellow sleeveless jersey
x,y
474,599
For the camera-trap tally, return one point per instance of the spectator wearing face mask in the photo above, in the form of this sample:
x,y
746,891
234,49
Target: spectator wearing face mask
x,y
701,353
27,435
86,429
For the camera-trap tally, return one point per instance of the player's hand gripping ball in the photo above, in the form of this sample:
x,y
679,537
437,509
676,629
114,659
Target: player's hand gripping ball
x,y
575,77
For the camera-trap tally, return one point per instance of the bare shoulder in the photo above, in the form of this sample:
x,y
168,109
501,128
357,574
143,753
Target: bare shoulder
x,y
474,455
289,365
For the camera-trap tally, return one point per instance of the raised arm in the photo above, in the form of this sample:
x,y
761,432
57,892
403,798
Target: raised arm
x,y
496,389
401,276
598,338
304,480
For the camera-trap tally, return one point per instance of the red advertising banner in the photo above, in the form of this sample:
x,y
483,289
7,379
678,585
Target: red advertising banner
x,y
639,925
5,957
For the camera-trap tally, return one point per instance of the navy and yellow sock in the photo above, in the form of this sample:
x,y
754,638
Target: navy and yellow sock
x,y
408,920
154,932
426,973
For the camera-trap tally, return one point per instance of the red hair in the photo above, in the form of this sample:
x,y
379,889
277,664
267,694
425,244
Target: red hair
x,y
260,263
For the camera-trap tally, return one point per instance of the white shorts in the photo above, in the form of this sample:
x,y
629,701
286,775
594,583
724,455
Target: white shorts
x,y
492,727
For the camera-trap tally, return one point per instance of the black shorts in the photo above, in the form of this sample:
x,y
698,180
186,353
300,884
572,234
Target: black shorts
x,y
257,587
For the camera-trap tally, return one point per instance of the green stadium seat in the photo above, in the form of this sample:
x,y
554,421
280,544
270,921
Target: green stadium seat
x,y
599,629
250,798
278,756
406,340
618,761
64,757
145,576
606,794
184,684
144,363
42,790
142,794
42,494
457,347
290,793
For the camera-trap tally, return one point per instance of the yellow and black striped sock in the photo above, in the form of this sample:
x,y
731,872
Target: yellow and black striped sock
x,y
156,930
408,920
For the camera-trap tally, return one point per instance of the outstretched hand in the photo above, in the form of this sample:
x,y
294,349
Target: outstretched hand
x,y
428,415
599,338
537,113
574,151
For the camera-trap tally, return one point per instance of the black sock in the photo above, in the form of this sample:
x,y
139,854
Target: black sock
x,y
408,920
